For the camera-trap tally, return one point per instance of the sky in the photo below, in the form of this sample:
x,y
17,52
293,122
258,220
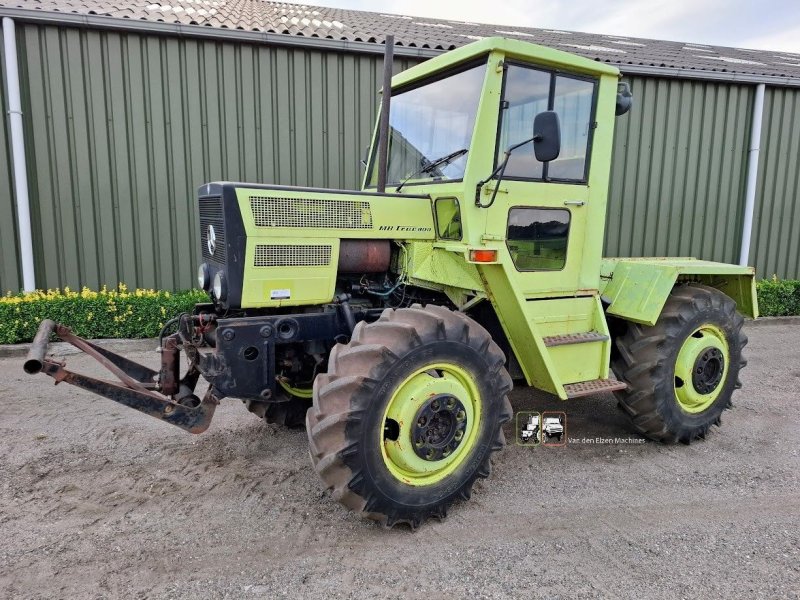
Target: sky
x,y
764,25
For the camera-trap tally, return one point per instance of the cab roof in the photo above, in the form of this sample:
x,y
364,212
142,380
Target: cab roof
x,y
514,49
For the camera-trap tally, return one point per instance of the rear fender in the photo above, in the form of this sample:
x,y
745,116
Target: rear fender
x,y
636,289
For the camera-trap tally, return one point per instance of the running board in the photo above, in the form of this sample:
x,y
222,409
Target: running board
x,y
590,388
574,338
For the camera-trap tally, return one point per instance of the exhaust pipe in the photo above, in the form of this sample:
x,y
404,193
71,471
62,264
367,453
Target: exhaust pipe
x,y
383,127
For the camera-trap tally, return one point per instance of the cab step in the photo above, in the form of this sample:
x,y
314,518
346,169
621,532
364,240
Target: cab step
x,y
597,386
574,338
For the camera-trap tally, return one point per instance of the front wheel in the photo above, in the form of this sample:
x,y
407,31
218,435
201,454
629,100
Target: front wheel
x,y
409,413
681,372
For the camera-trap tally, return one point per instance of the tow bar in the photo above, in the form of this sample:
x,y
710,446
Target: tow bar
x,y
160,394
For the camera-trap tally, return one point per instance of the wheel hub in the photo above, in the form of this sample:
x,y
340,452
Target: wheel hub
x,y
708,370
700,368
439,427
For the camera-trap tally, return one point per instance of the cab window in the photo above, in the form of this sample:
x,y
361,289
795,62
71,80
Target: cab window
x,y
537,238
526,93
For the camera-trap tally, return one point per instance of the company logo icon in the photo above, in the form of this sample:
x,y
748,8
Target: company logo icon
x,y
554,428
211,240
529,426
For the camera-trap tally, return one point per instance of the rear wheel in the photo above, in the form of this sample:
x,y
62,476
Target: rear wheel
x,y
408,414
292,412
681,372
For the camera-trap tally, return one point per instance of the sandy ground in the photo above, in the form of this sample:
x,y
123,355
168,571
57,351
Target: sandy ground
x,y
97,501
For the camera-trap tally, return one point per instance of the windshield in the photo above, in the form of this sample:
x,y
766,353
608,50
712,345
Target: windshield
x,y
429,122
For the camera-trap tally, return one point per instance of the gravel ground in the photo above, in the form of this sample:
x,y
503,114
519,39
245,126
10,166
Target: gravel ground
x,y
97,501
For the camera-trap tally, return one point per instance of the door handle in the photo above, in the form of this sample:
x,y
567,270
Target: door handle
x,y
574,202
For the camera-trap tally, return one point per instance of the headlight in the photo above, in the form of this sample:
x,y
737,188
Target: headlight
x,y
203,277
220,288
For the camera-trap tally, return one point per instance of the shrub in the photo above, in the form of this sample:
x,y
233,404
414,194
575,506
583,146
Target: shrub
x,y
116,313
119,313
778,297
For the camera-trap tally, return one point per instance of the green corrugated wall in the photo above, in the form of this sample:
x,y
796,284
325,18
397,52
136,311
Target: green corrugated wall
x,y
10,275
679,167
776,223
122,128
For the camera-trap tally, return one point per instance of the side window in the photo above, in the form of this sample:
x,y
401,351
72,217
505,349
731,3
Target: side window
x,y
448,219
537,238
573,103
526,93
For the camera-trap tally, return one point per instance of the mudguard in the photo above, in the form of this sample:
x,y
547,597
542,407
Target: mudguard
x,y
636,289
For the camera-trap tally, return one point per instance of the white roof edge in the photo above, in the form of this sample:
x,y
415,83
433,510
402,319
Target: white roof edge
x,y
200,31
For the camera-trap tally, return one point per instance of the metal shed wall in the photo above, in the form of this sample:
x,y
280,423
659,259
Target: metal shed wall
x,y
122,127
679,166
10,276
776,223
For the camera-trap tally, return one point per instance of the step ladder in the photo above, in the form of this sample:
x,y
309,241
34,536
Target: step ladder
x,y
576,345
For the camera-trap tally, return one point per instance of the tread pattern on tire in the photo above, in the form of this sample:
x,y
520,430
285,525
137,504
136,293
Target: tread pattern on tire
x,y
291,414
340,398
642,362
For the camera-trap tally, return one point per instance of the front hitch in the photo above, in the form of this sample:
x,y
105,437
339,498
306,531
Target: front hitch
x,y
139,387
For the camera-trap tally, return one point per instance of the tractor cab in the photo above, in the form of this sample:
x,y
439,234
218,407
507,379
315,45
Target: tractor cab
x,y
512,143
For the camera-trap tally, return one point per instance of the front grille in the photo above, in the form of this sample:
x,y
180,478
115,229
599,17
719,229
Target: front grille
x,y
211,217
271,255
307,212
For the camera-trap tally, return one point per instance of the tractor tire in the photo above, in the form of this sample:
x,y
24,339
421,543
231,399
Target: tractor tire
x,y
290,414
408,414
681,372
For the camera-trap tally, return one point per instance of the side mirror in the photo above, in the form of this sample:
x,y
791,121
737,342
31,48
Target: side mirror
x,y
546,136
624,98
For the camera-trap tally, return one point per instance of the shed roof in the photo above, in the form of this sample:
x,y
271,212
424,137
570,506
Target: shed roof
x,y
413,35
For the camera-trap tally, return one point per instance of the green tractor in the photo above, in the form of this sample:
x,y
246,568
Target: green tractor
x,y
393,320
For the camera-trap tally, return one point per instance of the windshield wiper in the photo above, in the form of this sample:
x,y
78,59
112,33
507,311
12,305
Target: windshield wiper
x,y
432,165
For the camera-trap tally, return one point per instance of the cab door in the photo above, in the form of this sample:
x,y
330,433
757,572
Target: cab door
x,y
543,215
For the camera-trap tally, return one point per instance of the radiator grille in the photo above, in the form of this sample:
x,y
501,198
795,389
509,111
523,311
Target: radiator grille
x,y
211,217
271,255
304,212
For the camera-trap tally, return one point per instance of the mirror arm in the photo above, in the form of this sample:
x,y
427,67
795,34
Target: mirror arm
x,y
501,169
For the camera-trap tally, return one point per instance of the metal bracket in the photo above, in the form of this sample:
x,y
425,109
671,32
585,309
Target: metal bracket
x,y
137,383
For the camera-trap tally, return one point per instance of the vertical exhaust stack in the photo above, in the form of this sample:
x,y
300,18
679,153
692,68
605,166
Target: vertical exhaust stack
x,y
383,129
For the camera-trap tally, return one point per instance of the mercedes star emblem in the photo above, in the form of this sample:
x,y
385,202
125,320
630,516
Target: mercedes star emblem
x,y
211,240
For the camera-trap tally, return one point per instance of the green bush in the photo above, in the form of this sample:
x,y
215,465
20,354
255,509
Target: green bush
x,y
778,297
119,313
116,313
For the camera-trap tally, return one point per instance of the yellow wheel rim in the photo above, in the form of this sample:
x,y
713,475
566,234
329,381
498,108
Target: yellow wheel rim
x,y
701,368
431,424
305,393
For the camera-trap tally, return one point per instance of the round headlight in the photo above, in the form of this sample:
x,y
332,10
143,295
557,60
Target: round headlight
x,y
203,277
219,289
